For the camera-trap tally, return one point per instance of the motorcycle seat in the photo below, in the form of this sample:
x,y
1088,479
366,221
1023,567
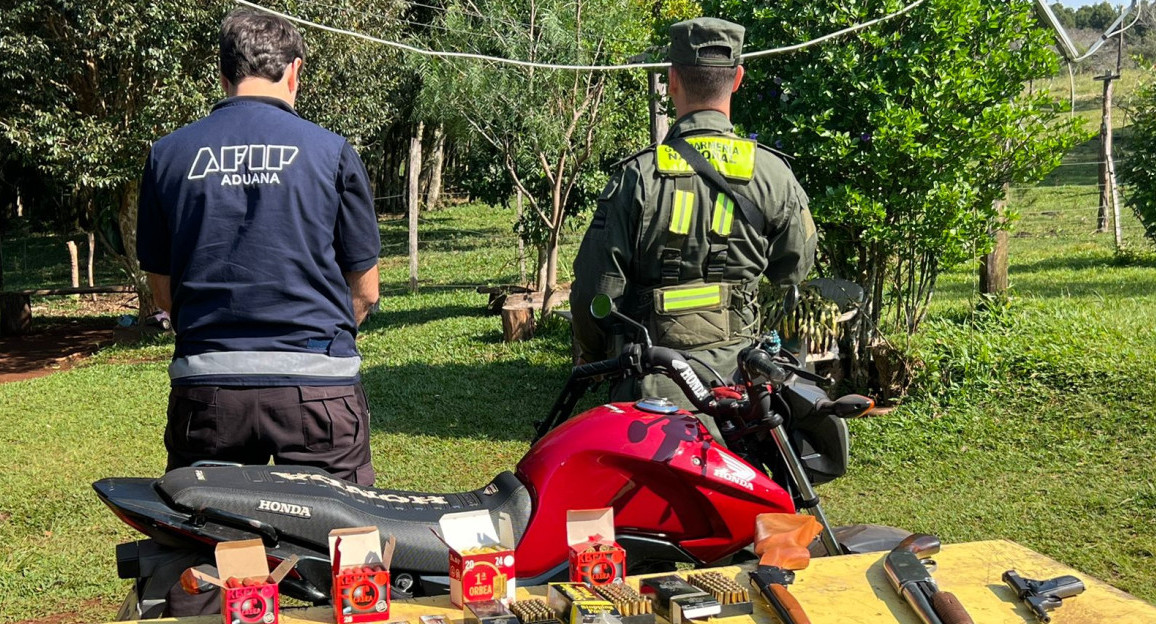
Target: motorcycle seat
x,y
305,503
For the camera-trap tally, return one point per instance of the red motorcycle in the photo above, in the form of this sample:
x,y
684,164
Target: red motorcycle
x,y
679,495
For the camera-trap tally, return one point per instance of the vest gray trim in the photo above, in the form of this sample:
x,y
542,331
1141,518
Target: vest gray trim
x,y
281,363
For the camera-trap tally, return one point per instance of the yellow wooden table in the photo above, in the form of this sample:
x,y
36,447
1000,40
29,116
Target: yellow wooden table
x,y
854,590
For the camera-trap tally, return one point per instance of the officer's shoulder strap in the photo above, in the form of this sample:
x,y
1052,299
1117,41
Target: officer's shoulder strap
x,y
780,155
649,148
707,171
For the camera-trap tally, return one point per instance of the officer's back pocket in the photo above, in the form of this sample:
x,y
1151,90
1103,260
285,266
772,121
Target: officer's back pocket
x,y
329,416
691,317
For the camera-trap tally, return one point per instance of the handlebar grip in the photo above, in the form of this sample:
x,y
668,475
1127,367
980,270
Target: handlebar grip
x,y
788,609
948,608
597,369
682,374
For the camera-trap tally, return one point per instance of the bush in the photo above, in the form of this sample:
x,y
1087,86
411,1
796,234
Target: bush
x,y
903,134
1138,171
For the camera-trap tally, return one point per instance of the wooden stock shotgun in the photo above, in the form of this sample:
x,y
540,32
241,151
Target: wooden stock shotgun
x,y
908,572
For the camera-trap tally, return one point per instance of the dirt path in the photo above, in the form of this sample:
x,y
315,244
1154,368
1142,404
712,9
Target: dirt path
x,y
52,348
58,342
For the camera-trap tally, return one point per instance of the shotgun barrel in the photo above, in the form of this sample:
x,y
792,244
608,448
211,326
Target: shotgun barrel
x,y
906,570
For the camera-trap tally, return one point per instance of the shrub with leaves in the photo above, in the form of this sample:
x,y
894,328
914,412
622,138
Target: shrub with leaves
x,y
903,134
1138,171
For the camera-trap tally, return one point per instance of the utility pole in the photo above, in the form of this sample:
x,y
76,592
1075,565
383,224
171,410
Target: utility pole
x,y
658,121
656,92
1109,194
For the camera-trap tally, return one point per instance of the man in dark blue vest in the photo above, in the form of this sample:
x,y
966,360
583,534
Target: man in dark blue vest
x,y
258,233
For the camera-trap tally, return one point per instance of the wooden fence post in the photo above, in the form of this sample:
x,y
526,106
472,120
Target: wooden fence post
x,y
74,262
413,172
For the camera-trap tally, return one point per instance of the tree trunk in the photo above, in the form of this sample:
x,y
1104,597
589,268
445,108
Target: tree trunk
x,y
551,274
658,121
126,221
517,319
15,314
993,279
521,246
413,169
436,166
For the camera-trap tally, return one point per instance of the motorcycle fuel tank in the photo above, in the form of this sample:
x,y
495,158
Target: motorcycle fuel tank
x,y
663,474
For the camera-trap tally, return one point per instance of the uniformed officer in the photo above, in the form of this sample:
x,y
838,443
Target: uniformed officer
x,y
682,249
258,232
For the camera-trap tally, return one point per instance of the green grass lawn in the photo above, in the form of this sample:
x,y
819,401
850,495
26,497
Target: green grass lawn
x,y
1034,422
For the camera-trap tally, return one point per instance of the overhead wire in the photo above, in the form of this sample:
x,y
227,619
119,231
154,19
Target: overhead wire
x,y
521,63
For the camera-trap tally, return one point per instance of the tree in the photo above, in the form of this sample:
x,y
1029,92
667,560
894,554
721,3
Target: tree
x,y
91,84
1097,17
1066,15
548,128
1138,171
904,134
85,87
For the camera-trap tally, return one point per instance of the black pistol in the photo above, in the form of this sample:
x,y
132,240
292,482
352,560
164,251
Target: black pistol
x,y
1043,596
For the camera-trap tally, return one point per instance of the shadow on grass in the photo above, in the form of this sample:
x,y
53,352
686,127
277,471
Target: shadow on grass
x,y
388,319
496,400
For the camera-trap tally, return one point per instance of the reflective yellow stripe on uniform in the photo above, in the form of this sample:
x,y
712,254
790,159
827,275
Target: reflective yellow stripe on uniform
x,y
688,298
681,212
724,215
732,157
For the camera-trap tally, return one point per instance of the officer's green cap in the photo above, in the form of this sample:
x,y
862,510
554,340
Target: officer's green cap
x,y
687,38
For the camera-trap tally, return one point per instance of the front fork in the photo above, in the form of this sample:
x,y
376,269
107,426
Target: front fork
x,y
810,499
761,399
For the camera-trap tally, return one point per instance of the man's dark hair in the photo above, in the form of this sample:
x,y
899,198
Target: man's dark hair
x,y
257,44
707,84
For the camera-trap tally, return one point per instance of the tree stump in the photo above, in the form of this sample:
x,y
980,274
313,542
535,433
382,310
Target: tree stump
x,y
498,295
517,319
15,314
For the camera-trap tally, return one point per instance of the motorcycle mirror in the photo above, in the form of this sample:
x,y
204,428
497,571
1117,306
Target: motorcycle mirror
x,y
790,299
602,306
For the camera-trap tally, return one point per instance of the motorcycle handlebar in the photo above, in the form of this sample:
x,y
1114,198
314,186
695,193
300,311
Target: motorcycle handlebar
x,y
600,368
641,360
638,360
674,364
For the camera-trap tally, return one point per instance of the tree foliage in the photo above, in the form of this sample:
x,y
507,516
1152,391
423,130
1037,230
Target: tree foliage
x,y
85,87
548,130
1138,171
903,134
1091,16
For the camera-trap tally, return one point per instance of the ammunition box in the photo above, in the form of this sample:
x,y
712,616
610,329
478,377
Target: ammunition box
x,y
677,601
489,612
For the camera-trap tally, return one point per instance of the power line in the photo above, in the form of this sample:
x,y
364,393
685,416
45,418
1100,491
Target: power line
x,y
520,63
